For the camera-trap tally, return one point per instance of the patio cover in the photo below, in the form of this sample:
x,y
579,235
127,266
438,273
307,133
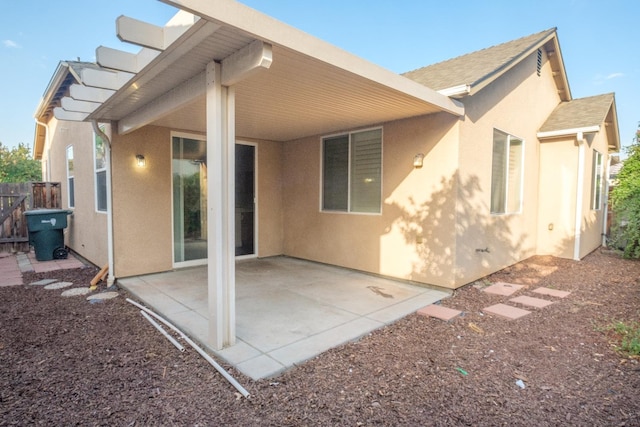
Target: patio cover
x,y
226,70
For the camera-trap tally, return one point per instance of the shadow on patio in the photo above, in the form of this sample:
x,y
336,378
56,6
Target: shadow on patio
x,y
287,310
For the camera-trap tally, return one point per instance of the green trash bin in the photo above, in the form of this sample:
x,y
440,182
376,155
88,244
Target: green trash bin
x,y
46,232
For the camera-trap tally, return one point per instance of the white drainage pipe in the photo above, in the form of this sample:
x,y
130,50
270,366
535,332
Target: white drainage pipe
x,y
195,346
155,324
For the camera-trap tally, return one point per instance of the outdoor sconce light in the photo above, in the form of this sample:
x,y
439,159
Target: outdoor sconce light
x,y
417,160
140,160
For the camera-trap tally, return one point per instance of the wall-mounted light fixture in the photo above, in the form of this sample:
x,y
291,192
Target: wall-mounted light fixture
x,y
141,161
417,160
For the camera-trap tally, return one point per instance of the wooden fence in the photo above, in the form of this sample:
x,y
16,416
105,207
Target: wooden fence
x,y
15,200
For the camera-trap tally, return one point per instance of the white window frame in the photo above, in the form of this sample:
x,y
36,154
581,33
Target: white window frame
x,y
71,188
596,180
505,210
349,198
97,170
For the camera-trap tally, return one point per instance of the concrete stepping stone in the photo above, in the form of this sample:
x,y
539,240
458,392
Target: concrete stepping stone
x,y
102,296
552,292
506,311
439,312
58,285
43,282
531,302
75,292
504,289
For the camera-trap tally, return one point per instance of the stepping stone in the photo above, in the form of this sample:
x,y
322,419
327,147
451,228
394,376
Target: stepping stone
x,y
504,289
43,282
531,302
506,311
102,296
58,285
439,312
75,291
552,292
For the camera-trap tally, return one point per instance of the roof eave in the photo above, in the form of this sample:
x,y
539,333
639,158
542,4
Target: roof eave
x,y
56,80
567,132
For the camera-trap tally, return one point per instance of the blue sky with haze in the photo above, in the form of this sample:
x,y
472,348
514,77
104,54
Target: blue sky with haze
x,y
599,40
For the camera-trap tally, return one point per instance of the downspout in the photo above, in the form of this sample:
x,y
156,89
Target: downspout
x,y
111,278
606,202
579,194
46,145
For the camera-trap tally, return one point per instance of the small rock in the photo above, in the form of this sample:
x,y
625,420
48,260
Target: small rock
x,y
75,291
43,282
58,285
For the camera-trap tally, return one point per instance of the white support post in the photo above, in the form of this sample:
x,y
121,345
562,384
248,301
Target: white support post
x,y
220,179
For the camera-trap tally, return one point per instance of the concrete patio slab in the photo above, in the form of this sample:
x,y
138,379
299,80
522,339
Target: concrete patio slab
x,y
506,311
439,312
552,292
504,289
531,301
287,310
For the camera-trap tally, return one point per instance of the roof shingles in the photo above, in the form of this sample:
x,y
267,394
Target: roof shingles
x,y
473,68
579,113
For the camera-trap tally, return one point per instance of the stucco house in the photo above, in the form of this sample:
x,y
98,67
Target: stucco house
x,y
231,134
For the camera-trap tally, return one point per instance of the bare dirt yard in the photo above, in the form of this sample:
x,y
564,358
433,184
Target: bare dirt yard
x,y
65,361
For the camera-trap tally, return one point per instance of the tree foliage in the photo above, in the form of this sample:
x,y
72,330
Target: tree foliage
x,y
17,165
625,201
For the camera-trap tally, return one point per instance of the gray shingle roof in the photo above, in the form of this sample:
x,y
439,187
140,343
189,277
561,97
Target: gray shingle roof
x,y
475,67
579,113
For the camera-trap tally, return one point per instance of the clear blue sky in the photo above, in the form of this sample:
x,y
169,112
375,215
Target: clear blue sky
x,y
599,40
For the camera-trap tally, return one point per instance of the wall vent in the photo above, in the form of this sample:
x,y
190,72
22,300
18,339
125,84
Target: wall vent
x,y
539,62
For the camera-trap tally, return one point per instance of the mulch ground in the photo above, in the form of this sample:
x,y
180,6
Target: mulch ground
x,y
65,361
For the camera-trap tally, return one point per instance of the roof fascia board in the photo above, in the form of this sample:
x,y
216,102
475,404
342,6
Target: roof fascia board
x,y
567,132
461,90
562,70
614,125
491,77
268,29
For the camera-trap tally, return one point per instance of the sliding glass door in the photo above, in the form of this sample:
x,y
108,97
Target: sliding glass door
x,y
189,200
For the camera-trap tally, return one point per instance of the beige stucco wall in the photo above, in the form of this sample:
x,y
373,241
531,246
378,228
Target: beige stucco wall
x,y
86,232
142,226
517,103
270,208
408,239
557,200
593,219
143,233
559,183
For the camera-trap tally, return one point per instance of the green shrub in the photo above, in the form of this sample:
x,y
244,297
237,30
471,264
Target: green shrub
x,y
625,202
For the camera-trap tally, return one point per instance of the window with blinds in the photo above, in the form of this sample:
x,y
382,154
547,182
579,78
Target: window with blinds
x,y
352,172
596,179
506,173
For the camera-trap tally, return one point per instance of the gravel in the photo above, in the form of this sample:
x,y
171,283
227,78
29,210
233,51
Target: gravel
x,y
69,361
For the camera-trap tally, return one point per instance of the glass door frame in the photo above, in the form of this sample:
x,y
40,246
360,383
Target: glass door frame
x,y
195,262
255,200
203,261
